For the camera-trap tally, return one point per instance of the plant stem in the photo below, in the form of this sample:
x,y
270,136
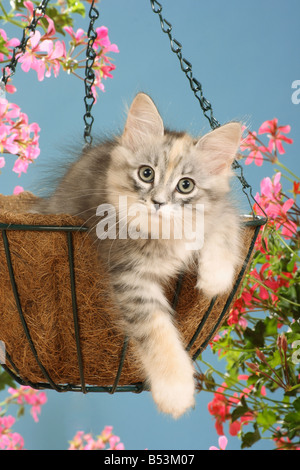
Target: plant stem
x,y
286,245
287,170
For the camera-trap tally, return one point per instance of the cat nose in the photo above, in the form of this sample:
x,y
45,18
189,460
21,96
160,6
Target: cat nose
x,y
158,204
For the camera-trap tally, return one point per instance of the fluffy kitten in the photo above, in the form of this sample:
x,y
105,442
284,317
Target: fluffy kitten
x,y
160,172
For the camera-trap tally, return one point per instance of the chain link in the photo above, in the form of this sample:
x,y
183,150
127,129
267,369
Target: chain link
x,y
186,67
28,32
89,80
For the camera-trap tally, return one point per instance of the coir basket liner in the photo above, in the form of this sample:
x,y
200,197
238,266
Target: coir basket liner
x,y
43,339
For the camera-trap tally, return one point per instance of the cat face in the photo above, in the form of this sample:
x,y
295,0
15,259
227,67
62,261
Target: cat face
x,y
166,174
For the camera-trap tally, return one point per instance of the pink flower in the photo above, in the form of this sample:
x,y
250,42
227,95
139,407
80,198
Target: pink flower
x,y
223,441
271,189
55,52
2,162
18,190
30,61
83,441
27,19
8,44
20,166
9,440
78,37
8,111
7,140
102,41
27,395
250,143
275,134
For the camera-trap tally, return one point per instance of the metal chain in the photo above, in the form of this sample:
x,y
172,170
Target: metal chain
x,y
185,66
89,80
196,87
20,50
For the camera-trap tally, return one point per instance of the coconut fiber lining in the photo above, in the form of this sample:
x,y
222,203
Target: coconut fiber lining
x,y
41,269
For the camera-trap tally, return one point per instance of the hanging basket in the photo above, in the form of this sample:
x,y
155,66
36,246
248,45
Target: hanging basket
x,y
57,310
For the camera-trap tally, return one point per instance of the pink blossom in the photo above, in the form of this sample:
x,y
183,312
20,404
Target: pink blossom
x,y
250,144
271,189
8,111
115,444
20,166
9,440
78,37
2,162
18,190
102,41
29,59
27,18
27,395
223,441
83,441
275,134
7,140
8,44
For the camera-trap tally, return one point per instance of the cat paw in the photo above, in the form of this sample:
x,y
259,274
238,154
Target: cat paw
x,y
216,281
174,397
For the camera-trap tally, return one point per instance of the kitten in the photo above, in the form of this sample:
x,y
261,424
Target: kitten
x,y
160,172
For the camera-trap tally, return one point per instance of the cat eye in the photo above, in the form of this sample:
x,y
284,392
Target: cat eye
x,y
146,173
185,185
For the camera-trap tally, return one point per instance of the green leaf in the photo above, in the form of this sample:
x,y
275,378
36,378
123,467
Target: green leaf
x,y
275,360
6,380
257,336
266,419
291,264
271,326
76,7
250,438
3,49
240,410
21,411
296,404
293,418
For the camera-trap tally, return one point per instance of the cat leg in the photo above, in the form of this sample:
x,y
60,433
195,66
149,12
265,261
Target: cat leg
x,y
168,367
166,364
218,260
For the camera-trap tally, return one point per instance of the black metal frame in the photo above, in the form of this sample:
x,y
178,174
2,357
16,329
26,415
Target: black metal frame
x,y
84,388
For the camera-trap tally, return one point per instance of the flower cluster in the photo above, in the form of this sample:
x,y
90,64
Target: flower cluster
x,y
46,54
260,347
257,150
17,136
9,440
22,396
268,281
105,441
221,408
25,395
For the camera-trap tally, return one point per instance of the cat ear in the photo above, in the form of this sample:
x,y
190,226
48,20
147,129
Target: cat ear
x,y
143,121
219,147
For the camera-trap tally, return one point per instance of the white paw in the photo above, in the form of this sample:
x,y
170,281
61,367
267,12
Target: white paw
x,y
174,396
216,280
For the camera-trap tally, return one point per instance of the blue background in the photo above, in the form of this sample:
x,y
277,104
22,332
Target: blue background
x,y
246,55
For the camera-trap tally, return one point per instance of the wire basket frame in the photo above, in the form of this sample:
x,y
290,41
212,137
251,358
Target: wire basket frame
x,y
69,231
